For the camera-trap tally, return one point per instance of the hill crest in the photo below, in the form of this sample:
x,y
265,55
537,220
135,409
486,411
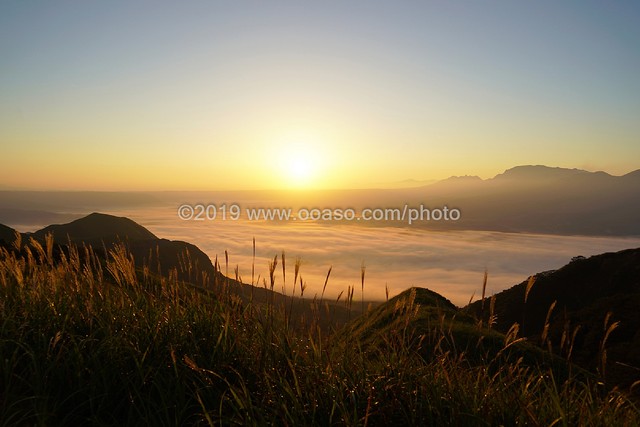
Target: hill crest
x,y
97,227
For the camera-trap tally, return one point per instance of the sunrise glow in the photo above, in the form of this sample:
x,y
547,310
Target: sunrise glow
x,y
230,96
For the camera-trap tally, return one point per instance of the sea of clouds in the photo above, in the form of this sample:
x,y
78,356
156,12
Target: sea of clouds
x,y
451,263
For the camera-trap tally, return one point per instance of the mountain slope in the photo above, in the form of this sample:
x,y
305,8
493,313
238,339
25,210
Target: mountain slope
x,y
584,292
430,324
7,234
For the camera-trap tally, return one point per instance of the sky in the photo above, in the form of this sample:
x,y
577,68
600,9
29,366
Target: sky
x,y
197,95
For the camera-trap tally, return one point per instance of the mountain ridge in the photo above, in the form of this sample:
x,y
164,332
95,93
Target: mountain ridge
x,y
539,199
544,172
581,292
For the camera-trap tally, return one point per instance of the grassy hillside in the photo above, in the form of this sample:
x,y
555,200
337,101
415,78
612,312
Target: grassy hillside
x,y
571,311
90,342
151,255
441,327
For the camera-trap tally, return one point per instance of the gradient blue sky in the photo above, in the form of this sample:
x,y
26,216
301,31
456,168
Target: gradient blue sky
x,y
228,95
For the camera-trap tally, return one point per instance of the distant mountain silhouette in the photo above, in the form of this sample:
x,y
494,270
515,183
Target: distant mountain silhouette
x,y
529,198
633,175
584,290
539,199
33,217
539,172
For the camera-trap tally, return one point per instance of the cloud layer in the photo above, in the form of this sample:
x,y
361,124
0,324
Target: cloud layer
x,y
451,263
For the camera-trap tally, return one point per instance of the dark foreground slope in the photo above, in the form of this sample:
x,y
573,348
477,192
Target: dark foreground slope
x,y
435,327
89,341
7,234
584,294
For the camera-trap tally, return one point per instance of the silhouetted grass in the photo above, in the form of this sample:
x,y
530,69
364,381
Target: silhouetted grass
x,y
89,341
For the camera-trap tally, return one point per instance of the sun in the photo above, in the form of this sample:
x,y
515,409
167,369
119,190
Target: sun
x,y
300,159
299,166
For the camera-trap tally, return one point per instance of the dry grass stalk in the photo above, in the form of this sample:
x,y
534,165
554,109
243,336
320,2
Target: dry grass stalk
x,y
532,280
362,270
545,330
484,288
